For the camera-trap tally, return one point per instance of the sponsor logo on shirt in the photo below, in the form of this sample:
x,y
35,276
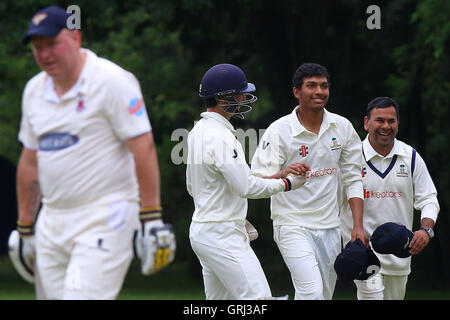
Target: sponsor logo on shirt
x,y
363,172
335,145
402,172
303,151
57,141
382,194
136,107
322,172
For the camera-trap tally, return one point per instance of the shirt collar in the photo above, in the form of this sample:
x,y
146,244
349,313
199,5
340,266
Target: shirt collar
x,y
369,151
80,86
219,118
87,71
297,127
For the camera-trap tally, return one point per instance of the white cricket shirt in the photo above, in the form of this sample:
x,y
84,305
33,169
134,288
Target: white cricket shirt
x,y
217,175
82,158
392,190
336,148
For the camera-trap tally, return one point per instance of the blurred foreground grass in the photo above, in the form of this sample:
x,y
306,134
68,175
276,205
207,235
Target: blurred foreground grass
x,y
174,283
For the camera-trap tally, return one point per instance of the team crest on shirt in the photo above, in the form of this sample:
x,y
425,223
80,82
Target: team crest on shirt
x,y
136,107
303,151
80,104
402,171
335,145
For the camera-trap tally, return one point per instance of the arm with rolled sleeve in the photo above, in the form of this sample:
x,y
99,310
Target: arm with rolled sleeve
x,y
425,200
425,194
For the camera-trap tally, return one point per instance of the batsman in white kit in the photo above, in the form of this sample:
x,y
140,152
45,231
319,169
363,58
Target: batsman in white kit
x,y
219,180
306,221
88,155
396,181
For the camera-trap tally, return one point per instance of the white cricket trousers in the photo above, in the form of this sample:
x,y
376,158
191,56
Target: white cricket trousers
x,y
309,255
382,286
231,270
85,252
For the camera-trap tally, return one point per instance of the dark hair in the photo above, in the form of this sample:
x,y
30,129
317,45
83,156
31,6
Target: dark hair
x,y
382,102
308,70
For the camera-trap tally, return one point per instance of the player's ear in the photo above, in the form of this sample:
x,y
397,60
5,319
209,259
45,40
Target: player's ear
x,y
296,92
75,35
366,123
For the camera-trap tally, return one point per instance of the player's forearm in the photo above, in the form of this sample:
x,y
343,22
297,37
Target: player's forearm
x,y
147,169
427,223
28,190
357,205
149,182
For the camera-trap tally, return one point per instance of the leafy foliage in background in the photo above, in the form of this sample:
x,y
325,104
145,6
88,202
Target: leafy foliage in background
x,y
168,45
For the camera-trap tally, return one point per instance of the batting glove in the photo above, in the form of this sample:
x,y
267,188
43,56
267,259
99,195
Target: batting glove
x,y
21,250
154,242
294,182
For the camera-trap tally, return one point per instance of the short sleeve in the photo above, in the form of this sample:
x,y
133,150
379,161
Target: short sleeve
x,y
26,135
126,108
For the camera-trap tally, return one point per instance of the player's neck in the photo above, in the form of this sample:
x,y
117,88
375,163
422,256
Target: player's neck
x,y
380,149
220,110
310,118
64,83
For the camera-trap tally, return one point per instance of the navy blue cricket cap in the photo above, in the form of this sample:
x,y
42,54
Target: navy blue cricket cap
x,y
47,22
356,262
392,238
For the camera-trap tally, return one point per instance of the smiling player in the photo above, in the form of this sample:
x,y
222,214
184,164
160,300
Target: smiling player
x,y
396,181
306,222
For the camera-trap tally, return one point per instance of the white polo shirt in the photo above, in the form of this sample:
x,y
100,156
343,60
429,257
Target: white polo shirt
x,y
392,190
336,148
217,175
82,158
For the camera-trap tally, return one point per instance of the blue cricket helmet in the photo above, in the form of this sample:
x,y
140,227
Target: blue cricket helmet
x,y
224,79
222,82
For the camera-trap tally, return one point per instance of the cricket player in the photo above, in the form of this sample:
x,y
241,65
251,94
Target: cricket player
x,y
396,181
306,221
88,154
219,180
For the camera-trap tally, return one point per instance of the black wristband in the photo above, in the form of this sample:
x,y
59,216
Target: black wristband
x,y
288,184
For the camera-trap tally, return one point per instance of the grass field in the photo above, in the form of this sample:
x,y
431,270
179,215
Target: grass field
x,y
174,283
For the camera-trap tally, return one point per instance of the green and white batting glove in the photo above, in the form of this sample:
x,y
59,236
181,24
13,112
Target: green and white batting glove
x,y
21,250
154,242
